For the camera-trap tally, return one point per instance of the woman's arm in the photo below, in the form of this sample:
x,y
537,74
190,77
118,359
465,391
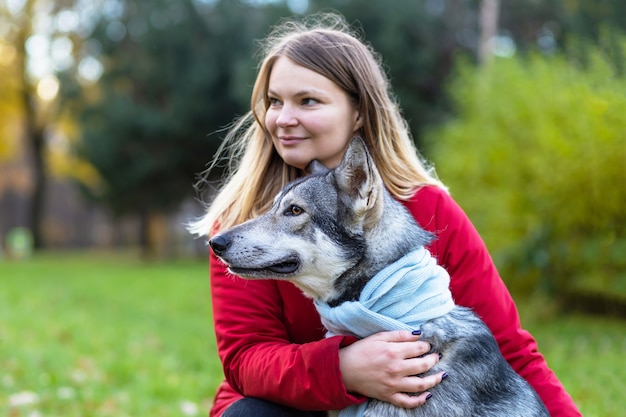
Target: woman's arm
x,y
475,283
271,344
254,341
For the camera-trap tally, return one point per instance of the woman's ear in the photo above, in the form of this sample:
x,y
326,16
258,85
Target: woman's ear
x,y
358,123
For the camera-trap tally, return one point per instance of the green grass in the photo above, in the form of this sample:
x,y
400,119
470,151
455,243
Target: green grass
x,y
107,335
587,353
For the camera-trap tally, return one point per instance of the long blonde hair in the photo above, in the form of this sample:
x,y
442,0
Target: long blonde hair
x,y
323,43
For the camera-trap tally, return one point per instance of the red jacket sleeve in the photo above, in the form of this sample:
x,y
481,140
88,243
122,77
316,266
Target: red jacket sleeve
x,y
475,283
265,354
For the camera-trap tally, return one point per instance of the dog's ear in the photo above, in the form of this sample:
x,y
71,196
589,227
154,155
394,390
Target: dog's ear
x,y
359,179
316,167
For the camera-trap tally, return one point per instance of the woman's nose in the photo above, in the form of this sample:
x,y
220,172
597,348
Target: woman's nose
x,y
286,117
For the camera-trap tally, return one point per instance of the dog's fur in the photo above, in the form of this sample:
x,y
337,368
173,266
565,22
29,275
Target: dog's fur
x,y
329,233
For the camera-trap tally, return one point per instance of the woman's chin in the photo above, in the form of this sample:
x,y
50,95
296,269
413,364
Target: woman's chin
x,y
297,161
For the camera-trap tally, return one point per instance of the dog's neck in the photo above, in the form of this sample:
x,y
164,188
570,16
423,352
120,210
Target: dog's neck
x,y
398,232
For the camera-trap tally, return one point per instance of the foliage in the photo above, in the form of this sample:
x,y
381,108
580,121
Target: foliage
x,y
588,17
63,162
537,157
147,134
9,101
87,334
176,72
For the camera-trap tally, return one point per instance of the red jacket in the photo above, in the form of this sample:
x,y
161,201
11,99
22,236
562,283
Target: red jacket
x,y
271,342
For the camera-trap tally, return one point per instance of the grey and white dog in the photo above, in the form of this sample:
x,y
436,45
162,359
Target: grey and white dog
x,y
335,232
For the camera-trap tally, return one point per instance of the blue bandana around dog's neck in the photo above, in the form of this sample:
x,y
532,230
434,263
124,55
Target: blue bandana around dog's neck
x,y
403,296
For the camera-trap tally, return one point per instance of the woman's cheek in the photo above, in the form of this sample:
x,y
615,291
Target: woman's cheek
x,y
270,121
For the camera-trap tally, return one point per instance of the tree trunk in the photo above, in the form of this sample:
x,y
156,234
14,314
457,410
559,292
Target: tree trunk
x,y
145,244
40,183
33,134
489,10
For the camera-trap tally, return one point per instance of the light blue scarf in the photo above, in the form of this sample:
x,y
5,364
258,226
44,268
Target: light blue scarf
x,y
402,296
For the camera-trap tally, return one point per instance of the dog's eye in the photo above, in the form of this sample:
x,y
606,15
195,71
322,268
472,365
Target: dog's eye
x,y
294,210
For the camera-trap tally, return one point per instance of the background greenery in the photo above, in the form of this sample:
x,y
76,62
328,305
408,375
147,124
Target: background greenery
x,y
172,74
537,157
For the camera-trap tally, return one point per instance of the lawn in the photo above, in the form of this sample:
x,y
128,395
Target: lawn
x,y
84,335
107,335
586,352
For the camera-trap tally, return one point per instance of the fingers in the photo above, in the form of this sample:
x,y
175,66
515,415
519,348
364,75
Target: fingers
x,y
398,343
416,365
410,398
409,401
419,384
396,336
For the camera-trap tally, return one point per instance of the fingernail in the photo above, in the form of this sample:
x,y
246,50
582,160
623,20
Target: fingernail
x,y
429,396
416,332
444,376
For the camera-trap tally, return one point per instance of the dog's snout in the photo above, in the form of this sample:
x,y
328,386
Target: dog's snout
x,y
219,244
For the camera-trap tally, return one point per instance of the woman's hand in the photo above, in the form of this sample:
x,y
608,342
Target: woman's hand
x,y
383,366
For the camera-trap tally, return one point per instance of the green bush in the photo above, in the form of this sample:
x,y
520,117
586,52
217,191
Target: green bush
x,y
537,158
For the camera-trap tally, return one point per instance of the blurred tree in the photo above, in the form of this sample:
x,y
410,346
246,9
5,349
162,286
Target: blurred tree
x,y
19,33
588,17
172,77
550,25
531,24
28,32
175,72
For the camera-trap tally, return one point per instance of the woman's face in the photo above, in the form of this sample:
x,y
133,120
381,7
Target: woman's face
x,y
309,116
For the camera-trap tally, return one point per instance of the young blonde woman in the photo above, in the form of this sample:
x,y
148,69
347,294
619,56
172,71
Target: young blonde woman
x,y
318,85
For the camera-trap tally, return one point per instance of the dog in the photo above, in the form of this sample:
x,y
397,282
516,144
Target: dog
x,y
335,234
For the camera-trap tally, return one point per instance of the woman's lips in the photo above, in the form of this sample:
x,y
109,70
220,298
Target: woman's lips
x,y
290,140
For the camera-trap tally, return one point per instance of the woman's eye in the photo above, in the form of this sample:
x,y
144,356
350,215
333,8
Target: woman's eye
x,y
309,101
295,210
273,101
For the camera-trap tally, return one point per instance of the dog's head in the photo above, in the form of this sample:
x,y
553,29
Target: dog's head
x,y
315,230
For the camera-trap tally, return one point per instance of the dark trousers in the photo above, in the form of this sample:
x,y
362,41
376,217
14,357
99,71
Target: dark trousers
x,y
254,407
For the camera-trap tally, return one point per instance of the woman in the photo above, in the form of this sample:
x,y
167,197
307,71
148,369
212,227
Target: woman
x,y
318,85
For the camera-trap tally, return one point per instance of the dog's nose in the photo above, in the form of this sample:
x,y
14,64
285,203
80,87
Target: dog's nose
x,y
219,244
